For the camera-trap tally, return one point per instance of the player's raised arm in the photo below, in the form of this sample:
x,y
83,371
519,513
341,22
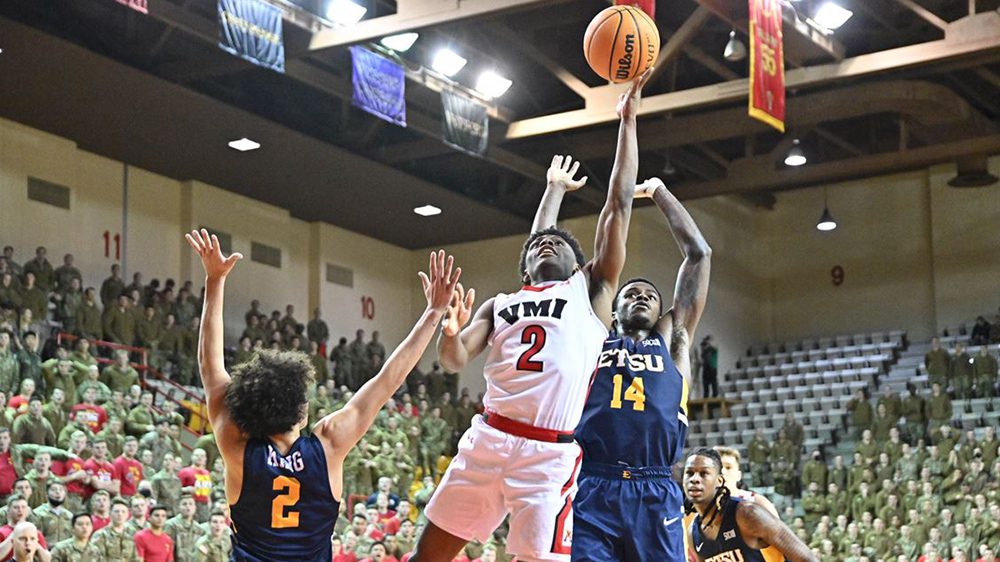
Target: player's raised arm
x,y
211,360
558,181
755,522
345,427
612,226
691,291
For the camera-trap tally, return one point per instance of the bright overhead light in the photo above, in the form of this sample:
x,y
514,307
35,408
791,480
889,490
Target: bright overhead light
x,y
447,62
796,156
345,12
826,222
427,211
492,85
831,15
735,49
244,144
401,42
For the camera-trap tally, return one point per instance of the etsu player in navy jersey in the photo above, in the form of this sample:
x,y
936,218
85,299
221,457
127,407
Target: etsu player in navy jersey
x,y
285,490
634,424
729,529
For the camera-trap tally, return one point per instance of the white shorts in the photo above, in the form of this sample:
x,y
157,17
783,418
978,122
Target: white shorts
x,y
496,473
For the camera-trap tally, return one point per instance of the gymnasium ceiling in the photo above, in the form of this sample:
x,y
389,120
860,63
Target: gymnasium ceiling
x,y
903,85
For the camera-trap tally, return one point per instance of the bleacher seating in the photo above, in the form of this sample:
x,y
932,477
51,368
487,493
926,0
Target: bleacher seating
x,y
813,379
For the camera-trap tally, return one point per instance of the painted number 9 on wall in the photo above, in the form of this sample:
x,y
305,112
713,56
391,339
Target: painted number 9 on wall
x,y
368,308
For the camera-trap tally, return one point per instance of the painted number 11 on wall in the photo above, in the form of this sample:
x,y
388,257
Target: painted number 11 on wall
x,y
117,238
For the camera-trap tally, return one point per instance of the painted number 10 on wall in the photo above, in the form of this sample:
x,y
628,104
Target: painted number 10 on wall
x,y
368,308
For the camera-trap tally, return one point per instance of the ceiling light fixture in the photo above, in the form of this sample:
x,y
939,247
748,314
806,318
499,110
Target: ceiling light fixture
x,y
492,85
400,42
735,49
447,62
427,211
244,144
345,12
796,156
826,222
831,15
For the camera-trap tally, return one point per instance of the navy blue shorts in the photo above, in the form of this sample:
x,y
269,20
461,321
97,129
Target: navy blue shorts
x,y
628,514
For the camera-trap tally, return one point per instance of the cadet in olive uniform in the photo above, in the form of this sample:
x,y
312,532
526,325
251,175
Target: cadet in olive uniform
x,y
79,548
114,542
939,411
10,368
166,484
984,369
184,530
815,470
938,363
759,455
861,412
88,316
53,519
120,376
434,431
215,546
961,372
119,322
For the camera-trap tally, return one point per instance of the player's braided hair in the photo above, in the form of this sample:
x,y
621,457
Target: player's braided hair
x,y
562,233
722,493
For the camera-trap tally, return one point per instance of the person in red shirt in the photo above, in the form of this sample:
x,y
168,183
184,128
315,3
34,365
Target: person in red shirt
x,y
88,412
986,554
127,469
7,472
102,473
100,509
342,553
197,481
377,553
19,402
152,544
18,512
73,474
383,514
391,526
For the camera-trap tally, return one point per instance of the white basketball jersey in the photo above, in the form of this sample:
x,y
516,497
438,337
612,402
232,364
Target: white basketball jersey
x,y
546,341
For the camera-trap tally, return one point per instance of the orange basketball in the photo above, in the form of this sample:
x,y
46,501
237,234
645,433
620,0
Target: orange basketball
x,y
621,43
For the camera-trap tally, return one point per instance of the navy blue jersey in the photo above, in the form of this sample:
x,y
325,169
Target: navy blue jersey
x,y
286,509
728,546
636,412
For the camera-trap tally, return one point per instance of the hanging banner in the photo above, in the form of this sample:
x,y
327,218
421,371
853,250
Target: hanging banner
x,y
767,63
252,30
137,5
466,123
648,6
379,86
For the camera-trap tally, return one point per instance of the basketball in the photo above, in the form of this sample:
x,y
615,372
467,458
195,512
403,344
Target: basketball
x,y
621,42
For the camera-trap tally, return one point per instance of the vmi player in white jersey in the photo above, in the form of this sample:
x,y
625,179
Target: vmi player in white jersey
x,y
519,458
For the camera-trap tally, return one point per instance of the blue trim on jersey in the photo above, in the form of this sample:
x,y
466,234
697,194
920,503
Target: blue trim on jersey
x,y
615,427
728,546
267,492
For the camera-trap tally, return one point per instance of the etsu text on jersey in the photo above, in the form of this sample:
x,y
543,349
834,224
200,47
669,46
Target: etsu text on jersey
x,y
634,361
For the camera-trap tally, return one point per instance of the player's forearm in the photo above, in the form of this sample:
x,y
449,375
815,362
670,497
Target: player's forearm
x,y
210,337
452,353
405,357
547,214
687,234
626,167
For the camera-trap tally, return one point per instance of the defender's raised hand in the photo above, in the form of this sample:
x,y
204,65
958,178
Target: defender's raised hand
x,y
216,265
561,173
440,284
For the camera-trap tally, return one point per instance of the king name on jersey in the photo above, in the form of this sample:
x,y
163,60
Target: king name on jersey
x,y
634,361
293,462
548,308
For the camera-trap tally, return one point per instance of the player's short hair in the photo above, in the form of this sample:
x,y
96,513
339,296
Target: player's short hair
x,y
121,502
268,393
728,452
77,516
162,508
621,289
552,230
15,498
710,453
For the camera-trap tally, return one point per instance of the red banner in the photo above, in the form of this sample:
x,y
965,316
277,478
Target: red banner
x,y
648,6
137,5
767,63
